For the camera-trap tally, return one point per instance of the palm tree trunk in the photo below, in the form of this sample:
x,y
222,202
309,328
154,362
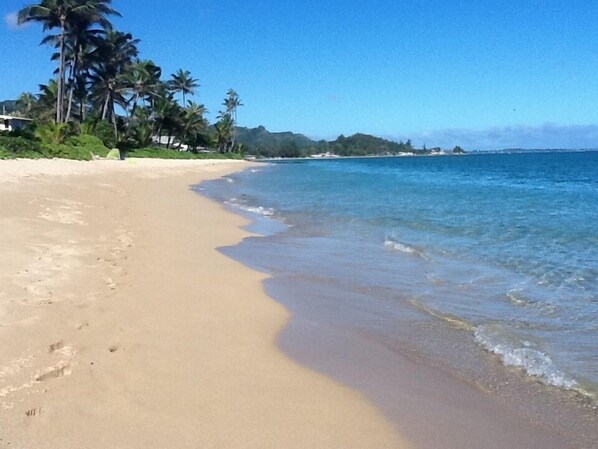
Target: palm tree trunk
x,y
114,121
105,107
234,130
60,99
72,77
185,135
134,105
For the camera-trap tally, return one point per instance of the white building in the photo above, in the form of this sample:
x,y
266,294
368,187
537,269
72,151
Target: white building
x,y
10,123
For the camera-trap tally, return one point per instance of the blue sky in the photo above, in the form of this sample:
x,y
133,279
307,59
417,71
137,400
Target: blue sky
x,y
483,74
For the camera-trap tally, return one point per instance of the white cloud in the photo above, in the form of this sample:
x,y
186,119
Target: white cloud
x,y
547,136
12,21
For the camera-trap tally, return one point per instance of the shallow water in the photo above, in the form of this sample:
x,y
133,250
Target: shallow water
x,y
464,260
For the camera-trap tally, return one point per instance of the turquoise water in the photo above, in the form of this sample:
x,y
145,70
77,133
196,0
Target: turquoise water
x,y
502,246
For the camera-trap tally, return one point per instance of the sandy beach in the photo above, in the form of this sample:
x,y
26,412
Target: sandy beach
x,y
122,326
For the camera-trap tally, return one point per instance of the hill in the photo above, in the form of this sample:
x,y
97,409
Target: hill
x,y
263,143
366,145
7,106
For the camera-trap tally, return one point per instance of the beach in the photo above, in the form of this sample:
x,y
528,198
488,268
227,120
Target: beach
x,y
123,326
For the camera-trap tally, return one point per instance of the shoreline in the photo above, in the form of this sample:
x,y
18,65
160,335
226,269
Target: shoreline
x,y
125,327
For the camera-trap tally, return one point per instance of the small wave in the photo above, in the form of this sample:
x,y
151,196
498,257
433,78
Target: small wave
x,y
521,354
398,246
450,319
268,212
259,210
517,297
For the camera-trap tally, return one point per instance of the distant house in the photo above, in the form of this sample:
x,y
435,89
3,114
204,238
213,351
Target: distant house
x,y
168,141
10,123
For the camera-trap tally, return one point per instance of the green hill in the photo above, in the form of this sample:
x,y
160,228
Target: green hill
x,y
366,145
262,143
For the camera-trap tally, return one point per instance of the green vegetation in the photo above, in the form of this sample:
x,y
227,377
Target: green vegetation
x,y
162,153
264,144
366,145
104,96
258,141
81,147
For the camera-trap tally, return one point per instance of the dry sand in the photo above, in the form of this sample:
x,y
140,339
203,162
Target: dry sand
x,y
122,326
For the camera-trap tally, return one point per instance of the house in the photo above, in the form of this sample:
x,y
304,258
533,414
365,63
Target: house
x,y
10,123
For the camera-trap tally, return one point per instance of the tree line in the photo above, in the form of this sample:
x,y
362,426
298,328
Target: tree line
x,y
103,86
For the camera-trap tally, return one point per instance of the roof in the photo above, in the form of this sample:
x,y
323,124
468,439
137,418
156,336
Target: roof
x,y
12,117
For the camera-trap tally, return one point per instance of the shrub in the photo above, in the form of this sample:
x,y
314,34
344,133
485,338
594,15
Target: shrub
x,y
105,132
19,146
165,153
54,133
66,152
27,132
89,143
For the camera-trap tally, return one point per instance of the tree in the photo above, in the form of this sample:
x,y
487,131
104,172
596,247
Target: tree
x,y
43,109
183,82
223,130
115,53
25,103
64,15
167,115
193,121
231,103
142,80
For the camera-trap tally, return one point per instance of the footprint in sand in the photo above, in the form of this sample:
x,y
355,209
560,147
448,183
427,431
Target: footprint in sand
x,y
110,284
54,373
63,216
82,325
56,346
33,412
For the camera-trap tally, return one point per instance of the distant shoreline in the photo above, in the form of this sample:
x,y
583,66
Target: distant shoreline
x,y
467,153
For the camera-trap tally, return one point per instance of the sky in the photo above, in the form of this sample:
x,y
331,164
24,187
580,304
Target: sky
x,y
480,74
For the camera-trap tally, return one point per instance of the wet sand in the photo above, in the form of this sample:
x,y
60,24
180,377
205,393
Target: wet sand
x,y
122,326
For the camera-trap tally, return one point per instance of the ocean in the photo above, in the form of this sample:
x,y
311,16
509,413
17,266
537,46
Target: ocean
x,y
465,261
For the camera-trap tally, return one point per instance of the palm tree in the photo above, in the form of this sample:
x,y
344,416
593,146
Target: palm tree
x,y
224,132
43,108
183,82
25,103
115,55
142,80
83,48
63,14
167,115
232,102
81,53
193,121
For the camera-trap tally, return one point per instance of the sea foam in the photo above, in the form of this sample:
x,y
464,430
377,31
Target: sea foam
x,y
520,353
258,210
398,246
